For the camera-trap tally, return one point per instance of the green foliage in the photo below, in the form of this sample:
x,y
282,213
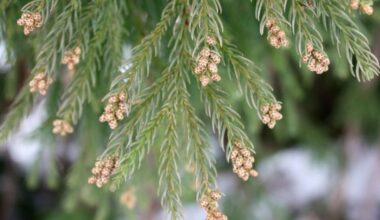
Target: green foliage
x,y
257,91
344,30
99,45
305,29
165,101
142,55
271,9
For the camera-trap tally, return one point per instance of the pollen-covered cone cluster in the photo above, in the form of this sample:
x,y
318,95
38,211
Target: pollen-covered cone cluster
x,y
71,58
276,36
62,127
102,171
128,198
209,202
316,61
242,161
40,83
30,21
115,110
364,7
271,114
207,64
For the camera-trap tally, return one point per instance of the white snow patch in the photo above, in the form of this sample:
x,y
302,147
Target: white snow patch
x,y
294,178
4,65
22,149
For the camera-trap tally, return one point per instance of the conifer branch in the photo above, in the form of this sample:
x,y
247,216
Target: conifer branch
x,y
197,144
256,90
144,138
271,9
143,125
138,149
170,182
142,54
169,185
144,120
302,19
205,21
364,64
163,116
80,89
123,136
225,120
49,55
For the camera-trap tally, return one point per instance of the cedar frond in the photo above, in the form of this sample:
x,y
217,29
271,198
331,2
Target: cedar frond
x,y
170,182
302,19
271,9
80,89
256,90
364,64
142,54
49,55
197,144
225,120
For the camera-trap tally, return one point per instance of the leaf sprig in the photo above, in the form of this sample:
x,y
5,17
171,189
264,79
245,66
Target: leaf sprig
x,y
364,64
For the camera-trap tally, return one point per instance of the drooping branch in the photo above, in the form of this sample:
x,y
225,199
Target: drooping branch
x,y
81,87
364,64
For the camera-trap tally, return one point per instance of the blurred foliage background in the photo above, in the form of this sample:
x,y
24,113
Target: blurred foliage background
x,y
320,162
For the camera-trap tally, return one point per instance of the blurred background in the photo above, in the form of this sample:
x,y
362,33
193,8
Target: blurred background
x,y
321,162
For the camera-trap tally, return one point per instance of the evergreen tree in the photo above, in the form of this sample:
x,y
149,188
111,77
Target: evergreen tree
x,y
192,64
